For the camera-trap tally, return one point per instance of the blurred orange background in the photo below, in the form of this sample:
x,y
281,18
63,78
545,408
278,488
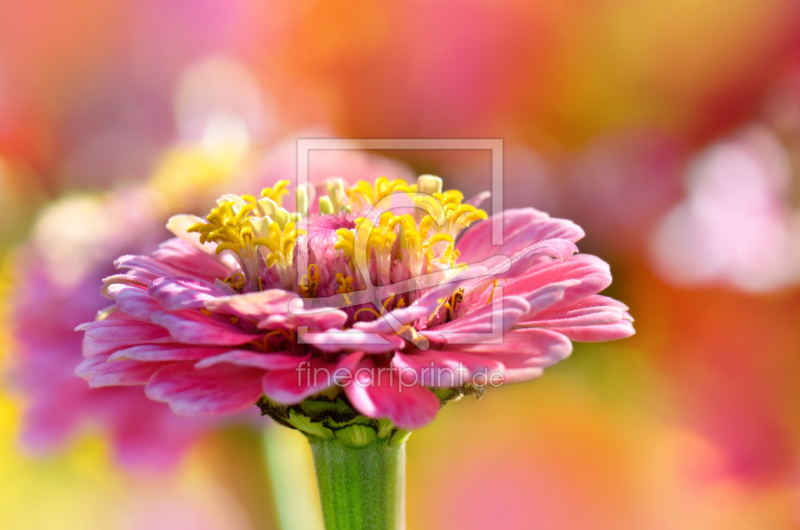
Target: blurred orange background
x,y
670,130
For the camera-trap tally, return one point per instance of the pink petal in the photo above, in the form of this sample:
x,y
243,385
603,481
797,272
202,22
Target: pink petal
x,y
594,275
559,249
92,346
477,325
429,301
223,389
114,318
475,242
595,319
88,367
265,361
179,225
539,300
186,257
195,328
254,306
405,315
133,300
524,353
378,393
524,260
588,316
424,306
176,293
447,369
547,296
315,320
116,328
290,387
126,279
622,329
147,265
521,228
118,331
166,352
116,373
333,341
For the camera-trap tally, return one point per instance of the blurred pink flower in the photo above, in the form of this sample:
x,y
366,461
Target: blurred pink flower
x,y
736,226
210,332
54,281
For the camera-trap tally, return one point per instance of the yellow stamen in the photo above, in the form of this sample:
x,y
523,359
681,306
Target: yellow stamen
x,y
345,283
363,194
287,335
276,192
236,281
388,301
261,232
345,286
407,327
369,310
448,252
229,225
308,289
494,287
455,298
419,240
280,243
491,295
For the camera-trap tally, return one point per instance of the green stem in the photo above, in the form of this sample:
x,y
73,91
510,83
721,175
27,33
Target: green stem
x,y
361,488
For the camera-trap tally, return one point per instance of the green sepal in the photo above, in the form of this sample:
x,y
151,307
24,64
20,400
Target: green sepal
x,y
356,436
305,425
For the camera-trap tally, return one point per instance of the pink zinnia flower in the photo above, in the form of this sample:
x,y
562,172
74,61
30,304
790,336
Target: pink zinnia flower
x,y
259,305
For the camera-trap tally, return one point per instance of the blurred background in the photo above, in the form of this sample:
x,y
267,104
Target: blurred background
x,y
669,129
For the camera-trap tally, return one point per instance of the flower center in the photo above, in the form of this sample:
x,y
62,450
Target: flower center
x,y
357,237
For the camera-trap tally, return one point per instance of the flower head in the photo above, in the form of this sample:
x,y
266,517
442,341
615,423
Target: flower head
x,y
354,316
